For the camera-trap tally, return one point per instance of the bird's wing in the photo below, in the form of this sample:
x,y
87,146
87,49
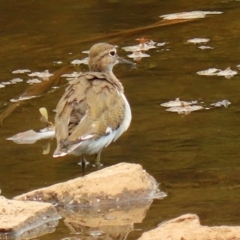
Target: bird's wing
x,y
90,108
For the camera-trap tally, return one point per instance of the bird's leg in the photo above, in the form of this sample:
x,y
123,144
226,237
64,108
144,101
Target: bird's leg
x,y
83,163
98,158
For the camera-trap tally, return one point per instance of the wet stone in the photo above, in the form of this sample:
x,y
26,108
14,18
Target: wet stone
x,y
188,227
24,218
119,183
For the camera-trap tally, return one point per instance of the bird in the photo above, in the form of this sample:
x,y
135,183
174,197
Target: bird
x,y
93,111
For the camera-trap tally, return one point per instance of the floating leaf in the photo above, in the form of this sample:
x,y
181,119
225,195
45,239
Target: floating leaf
x,y
58,62
138,55
46,148
177,103
78,62
228,73
198,40
30,136
44,75
86,51
161,44
6,83
145,44
16,80
188,15
43,111
225,103
21,71
72,75
209,72
184,109
33,81
205,47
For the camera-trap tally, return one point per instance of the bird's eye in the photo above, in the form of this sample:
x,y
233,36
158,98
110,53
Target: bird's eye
x,y
112,53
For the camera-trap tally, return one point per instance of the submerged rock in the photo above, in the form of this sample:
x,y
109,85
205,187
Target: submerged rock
x,y
105,220
188,227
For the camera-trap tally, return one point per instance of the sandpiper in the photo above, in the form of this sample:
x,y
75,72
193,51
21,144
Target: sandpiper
x,y
93,111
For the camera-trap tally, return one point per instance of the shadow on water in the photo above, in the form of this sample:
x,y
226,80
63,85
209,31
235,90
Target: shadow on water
x,y
194,157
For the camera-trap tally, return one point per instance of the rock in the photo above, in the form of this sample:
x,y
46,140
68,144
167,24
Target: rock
x,y
26,219
187,227
103,202
116,184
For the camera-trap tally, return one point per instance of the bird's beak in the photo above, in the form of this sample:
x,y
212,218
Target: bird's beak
x,y
122,60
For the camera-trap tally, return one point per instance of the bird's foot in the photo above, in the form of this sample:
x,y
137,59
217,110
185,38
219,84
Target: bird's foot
x,y
97,165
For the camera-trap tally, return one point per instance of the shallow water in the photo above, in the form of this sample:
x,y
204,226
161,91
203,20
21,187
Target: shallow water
x,y
195,157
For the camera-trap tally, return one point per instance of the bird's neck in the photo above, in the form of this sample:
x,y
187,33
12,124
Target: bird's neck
x,y
113,79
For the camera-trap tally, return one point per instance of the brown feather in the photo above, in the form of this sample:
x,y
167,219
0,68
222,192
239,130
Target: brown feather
x,y
89,106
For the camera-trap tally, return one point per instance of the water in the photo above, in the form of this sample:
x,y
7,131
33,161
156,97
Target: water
x,y
194,157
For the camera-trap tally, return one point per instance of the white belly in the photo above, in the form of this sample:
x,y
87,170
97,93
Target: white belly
x,y
91,146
